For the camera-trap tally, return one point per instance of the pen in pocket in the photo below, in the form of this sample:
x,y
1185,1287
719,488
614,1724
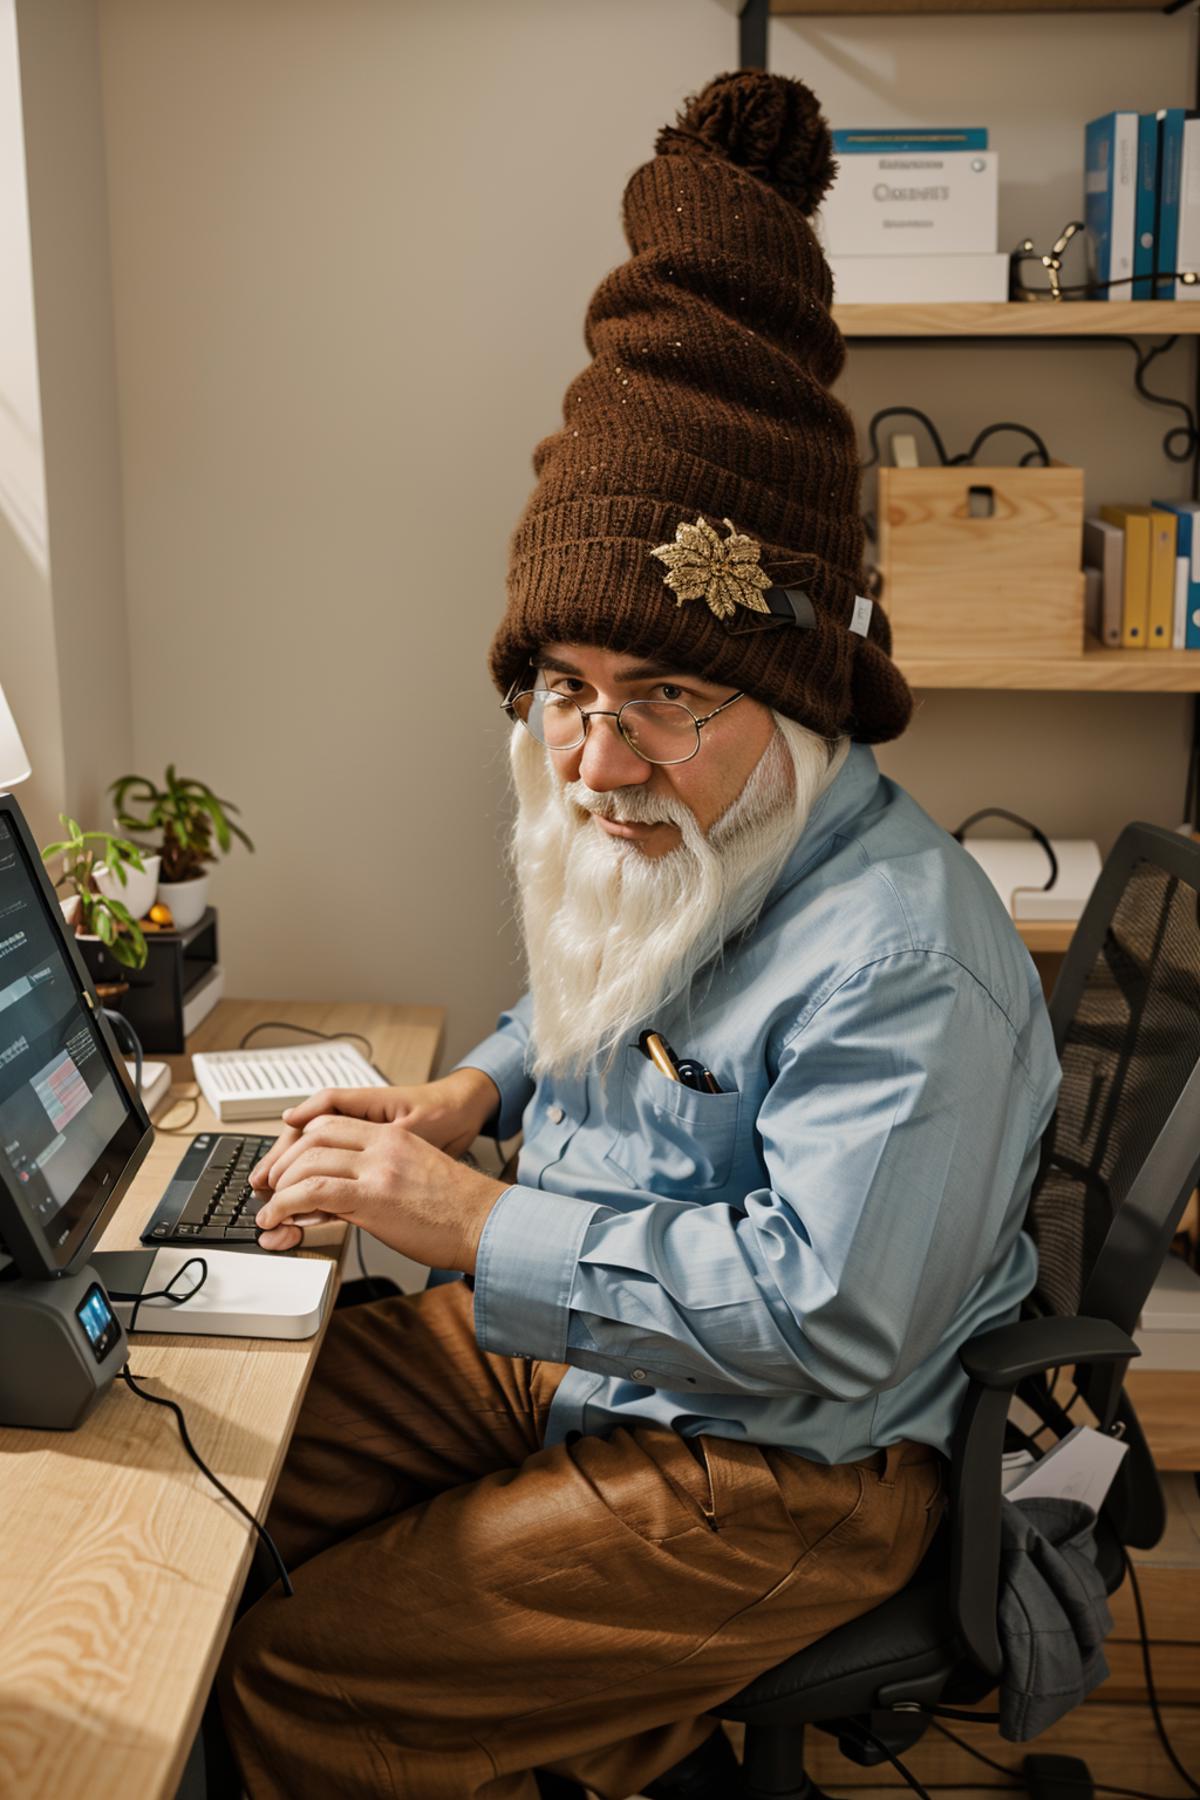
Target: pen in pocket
x,y
689,1072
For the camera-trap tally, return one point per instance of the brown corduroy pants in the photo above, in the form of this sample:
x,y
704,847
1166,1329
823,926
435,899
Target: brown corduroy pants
x,y
470,1606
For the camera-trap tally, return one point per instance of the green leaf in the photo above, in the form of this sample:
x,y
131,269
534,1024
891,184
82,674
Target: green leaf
x,y
130,948
105,929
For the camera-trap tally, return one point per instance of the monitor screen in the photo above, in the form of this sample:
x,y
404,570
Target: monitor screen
x,y
71,1133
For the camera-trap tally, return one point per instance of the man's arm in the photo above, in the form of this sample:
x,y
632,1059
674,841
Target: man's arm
x,y
897,1138
503,1056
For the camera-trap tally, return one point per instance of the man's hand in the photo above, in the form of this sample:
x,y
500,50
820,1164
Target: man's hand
x,y
380,1176
449,1114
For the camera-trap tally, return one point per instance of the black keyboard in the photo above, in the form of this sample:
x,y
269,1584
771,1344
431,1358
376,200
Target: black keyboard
x,y
209,1199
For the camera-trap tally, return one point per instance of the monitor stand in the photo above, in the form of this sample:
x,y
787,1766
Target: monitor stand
x,y
61,1347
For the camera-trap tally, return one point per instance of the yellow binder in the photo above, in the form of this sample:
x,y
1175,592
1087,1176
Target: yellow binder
x,y
1135,597
1160,619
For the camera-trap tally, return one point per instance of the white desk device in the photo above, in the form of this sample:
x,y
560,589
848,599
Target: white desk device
x,y
262,1084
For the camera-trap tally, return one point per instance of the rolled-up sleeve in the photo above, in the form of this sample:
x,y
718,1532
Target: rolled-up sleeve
x,y
895,1137
524,1272
503,1056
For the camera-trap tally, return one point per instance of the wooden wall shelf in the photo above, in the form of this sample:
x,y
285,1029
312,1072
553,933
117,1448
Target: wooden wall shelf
x,y
1046,937
1094,670
1021,318
897,7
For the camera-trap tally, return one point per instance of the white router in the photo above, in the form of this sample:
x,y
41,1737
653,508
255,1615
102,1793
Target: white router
x,y
262,1084
246,1293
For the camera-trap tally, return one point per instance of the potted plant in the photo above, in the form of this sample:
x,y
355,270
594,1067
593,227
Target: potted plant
x,y
89,910
195,826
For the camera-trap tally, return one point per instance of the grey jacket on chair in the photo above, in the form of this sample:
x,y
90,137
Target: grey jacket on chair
x,y
1053,1615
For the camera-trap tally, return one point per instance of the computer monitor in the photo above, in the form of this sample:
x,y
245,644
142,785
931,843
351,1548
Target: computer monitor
x,y
72,1131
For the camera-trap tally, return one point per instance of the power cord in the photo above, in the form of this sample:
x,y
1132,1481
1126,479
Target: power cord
x,y
965,456
185,1125
1181,444
131,1382
330,1037
1098,1787
123,1029
1189,1781
177,1298
168,1292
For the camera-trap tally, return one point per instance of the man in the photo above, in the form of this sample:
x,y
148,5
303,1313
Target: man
x,y
689,1411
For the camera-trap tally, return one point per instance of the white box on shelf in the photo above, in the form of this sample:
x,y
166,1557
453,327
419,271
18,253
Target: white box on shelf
x,y
878,280
1168,1332
912,203
1018,870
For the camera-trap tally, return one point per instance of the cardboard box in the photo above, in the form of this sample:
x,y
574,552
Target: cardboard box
x,y
982,561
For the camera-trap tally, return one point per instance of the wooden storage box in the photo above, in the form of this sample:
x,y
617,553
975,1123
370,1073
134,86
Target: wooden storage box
x,y
982,560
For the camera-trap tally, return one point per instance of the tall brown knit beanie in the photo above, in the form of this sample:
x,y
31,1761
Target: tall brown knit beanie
x,y
700,504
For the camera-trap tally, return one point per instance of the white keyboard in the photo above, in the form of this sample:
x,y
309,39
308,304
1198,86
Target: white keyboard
x,y
261,1084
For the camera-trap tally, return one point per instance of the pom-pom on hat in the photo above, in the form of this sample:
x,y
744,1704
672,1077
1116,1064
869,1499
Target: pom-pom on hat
x,y
700,504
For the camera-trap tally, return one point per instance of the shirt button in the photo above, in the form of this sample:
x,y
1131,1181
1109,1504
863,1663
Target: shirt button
x,y
555,1114
639,1374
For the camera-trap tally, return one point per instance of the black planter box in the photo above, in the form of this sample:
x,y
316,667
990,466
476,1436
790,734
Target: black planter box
x,y
178,962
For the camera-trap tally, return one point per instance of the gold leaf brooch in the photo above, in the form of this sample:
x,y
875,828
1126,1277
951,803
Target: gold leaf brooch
x,y
723,572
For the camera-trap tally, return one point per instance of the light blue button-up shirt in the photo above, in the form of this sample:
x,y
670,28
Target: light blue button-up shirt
x,y
795,1260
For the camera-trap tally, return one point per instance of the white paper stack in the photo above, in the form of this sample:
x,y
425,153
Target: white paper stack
x,y
1168,1333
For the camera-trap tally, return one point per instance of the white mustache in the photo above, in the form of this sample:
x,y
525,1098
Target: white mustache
x,y
624,806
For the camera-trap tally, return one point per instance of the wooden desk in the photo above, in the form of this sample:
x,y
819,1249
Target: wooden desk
x,y
120,1564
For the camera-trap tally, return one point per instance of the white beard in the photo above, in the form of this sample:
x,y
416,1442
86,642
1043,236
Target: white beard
x,y
613,936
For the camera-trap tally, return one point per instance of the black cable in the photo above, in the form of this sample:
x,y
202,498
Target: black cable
x,y
330,1037
1151,1691
116,1020
1098,1787
165,1293
185,1125
947,461
131,1382
905,1774
1180,444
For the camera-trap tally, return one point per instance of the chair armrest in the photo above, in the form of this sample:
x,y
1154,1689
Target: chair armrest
x,y
996,1361
1006,1355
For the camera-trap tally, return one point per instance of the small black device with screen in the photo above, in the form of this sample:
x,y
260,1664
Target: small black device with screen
x,y
73,1134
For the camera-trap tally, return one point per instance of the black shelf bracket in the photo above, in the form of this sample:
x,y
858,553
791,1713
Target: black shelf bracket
x,y
752,33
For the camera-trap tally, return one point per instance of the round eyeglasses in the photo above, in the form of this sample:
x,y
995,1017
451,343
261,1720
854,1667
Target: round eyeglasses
x,y
659,731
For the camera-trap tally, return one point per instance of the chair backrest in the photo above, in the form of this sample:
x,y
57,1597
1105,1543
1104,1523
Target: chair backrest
x,y
1122,1152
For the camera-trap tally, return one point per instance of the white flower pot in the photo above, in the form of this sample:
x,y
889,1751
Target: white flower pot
x,y
139,890
186,899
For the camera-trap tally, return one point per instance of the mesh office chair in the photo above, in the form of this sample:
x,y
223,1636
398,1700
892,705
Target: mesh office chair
x,y
1118,1162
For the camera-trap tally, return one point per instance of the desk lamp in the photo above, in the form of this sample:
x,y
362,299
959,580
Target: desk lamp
x,y
14,762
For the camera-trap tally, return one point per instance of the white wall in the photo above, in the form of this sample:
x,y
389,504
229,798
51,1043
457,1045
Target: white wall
x,y
351,250
63,638
28,662
22,480
68,211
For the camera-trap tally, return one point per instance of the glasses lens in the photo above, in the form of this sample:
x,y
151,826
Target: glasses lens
x,y
553,719
660,730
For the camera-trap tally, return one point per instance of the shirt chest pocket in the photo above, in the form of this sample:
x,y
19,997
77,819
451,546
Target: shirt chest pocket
x,y
670,1139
